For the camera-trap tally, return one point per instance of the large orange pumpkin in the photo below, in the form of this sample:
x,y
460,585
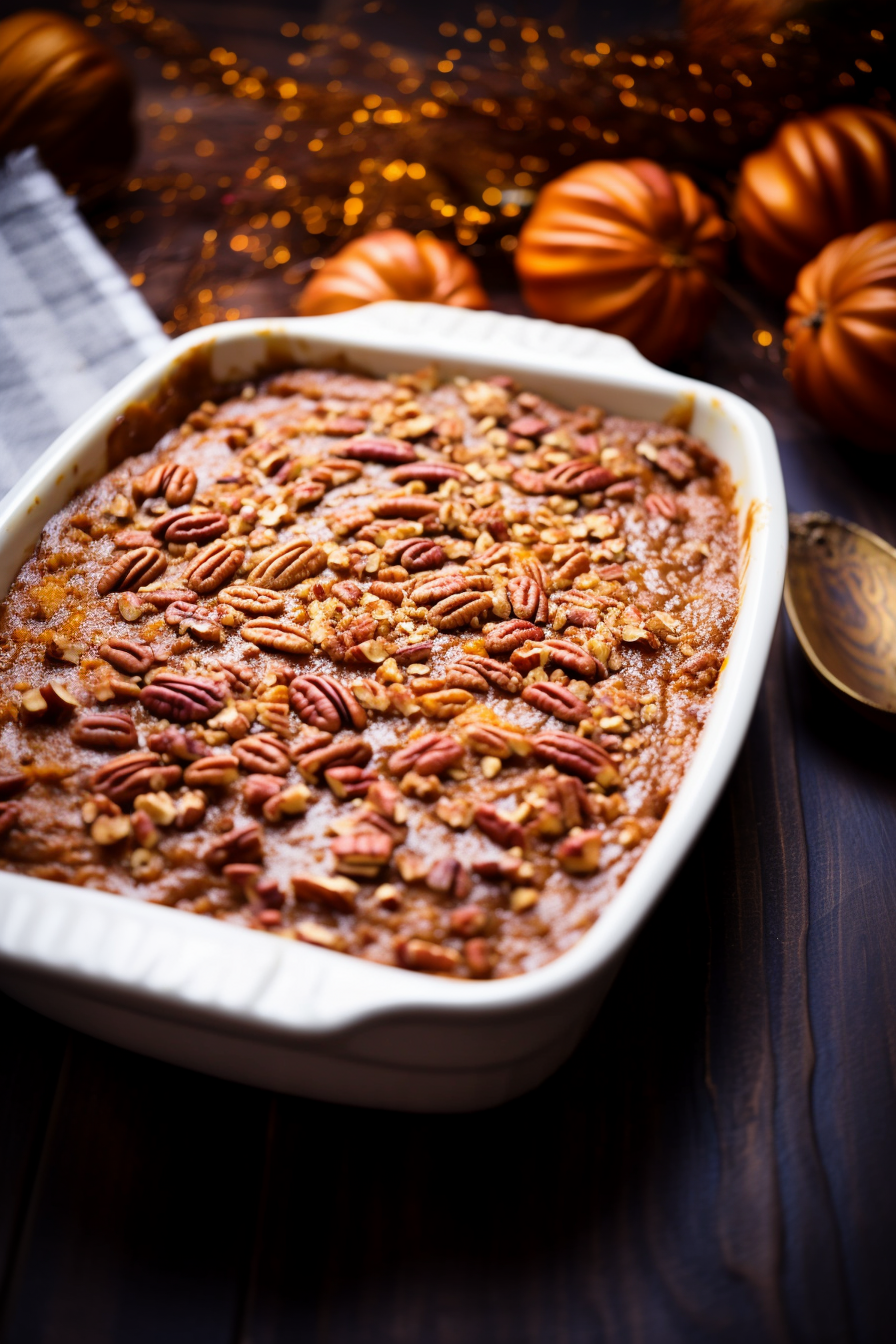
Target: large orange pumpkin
x,y
842,329
626,247
393,264
67,93
821,176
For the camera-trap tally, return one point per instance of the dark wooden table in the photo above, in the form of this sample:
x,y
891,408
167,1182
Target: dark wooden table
x,y
715,1163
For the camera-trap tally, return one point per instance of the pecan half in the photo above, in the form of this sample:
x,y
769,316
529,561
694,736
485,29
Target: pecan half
x,y
499,827
212,771
182,527
557,700
177,483
449,878
431,754
267,632
323,702
260,789
160,598
662,506
575,660
137,772
333,472
493,673
530,482
581,476
304,494
9,817
414,653
430,591
414,554
575,756
349,781
446,704
240,845
177,742
183,699
253,601
488,740
131,537
388,592
565,576
131,656
460,677
132,569
289,564
113,731
509,635
339,892
430,473
361,853
461,609
404,506
418,954
384,451
213,567
528,600
262,753
349,751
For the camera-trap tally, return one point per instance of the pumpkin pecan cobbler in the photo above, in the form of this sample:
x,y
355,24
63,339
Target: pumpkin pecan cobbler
x,y
404,669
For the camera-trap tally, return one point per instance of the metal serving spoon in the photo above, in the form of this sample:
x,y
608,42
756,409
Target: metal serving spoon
x,y
840,595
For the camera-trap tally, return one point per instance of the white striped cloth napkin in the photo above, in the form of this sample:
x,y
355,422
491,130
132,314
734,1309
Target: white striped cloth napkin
x,y
71,323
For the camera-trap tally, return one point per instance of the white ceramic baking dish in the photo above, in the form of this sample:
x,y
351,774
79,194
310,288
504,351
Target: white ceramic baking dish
x,y
296,1018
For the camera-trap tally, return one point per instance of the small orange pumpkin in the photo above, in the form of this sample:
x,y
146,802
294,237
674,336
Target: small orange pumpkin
x,y
67,93
626,247
842,328
393,264
821,176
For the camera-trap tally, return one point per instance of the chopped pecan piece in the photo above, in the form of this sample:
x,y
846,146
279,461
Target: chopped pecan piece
x,y
580,853
349,781
498,827
448,877
361,853
9,817
338,892
242,844
12,782
418,954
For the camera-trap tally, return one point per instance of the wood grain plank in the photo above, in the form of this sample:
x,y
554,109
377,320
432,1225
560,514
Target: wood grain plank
x,y
144,1221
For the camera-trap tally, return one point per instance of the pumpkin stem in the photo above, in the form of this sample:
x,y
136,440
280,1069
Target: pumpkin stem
x,y
817,318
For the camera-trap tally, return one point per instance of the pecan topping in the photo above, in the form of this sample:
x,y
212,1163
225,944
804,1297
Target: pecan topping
x,y
137,772
339,892
349,781
575,660
430,591
9,817
241,845
575,756
361,853
575,566
418,954
349,751
445,704
262,753
430,473
487,740
182,526
132,569
487,671
177,742
662,506
260,789
530,482
581,476
213,567
528,601
461,609
557,700
11,782
266,632
323,702
414,554
509,635
387,453
499,827
131,537
133,657
212,771
253,601
389,592
331,473
449,878
289,564
431,754
176,483
305,493
414,653
160,598
580,853
113,730
404,506
183,699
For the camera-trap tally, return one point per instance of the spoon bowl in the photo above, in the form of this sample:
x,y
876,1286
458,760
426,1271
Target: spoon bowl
x,y
840,594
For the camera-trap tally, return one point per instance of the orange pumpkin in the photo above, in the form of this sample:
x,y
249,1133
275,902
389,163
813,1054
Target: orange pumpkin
x,y
842,329
626,247
393,264
821,176
67,93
